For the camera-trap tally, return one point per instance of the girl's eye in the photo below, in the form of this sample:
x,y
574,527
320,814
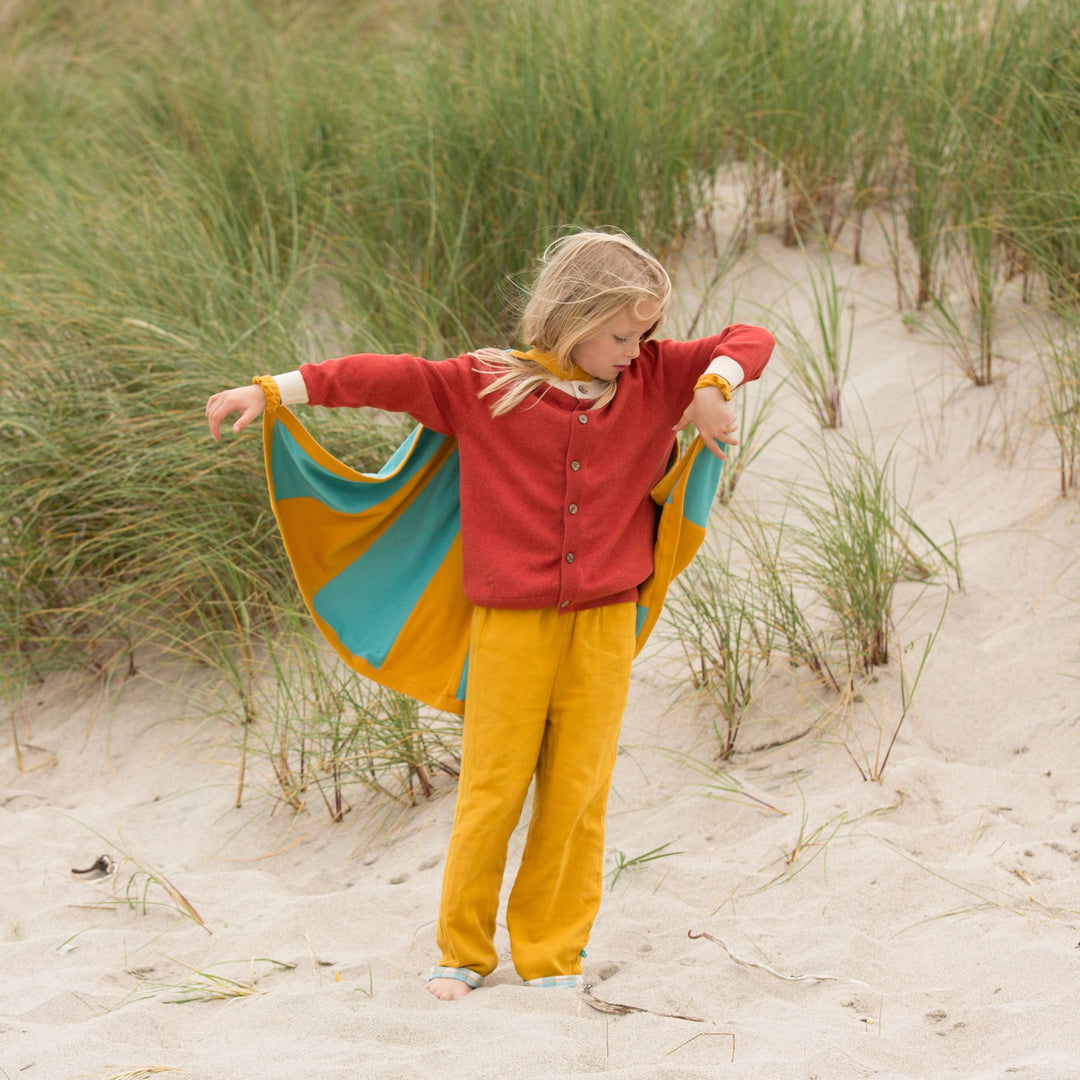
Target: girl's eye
x,y
621,340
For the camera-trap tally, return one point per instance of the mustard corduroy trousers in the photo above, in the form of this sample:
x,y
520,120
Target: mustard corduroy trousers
x,y
545,697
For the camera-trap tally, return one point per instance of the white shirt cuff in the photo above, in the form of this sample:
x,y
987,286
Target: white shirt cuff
x,y
723,366
293,390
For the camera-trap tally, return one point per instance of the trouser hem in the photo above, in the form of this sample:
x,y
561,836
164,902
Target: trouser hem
x,y
466,975
568,982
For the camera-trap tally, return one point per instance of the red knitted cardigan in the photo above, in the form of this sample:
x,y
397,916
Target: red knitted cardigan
x,y
555,505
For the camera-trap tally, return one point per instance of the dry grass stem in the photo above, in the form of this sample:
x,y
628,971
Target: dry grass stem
x,y
704,1035
210,986
772,971
623,864
600,1005
137,886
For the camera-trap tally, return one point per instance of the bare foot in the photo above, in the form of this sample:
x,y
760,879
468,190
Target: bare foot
x,y
448,989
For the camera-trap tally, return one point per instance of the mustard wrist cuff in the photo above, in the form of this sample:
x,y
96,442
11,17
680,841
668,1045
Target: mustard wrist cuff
x,y
270,389
711,379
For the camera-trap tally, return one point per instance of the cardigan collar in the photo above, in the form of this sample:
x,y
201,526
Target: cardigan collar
x,y
553,366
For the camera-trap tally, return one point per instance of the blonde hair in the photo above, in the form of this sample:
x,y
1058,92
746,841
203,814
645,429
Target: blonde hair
x,y
585,278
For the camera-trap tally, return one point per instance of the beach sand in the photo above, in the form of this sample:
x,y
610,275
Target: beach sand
x,y
942,903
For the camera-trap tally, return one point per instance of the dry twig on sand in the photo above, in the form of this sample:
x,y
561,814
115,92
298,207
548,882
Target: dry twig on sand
x,y
772,971
622,1010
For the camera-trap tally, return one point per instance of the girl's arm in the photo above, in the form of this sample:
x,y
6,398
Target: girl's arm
x,y
717,365
737,354
437,395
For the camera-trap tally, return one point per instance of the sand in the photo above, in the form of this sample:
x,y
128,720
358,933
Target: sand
x,y
942,903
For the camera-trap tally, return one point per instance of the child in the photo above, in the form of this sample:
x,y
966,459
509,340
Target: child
x,y
560,446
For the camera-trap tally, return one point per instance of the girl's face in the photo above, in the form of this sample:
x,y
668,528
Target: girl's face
x,y
615,344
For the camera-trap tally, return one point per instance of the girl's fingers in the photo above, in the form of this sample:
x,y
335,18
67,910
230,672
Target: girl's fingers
x,y
216,412
246,417
714,448
219,406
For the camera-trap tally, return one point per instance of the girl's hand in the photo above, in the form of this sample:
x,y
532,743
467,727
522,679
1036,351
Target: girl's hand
x,y
248,401
714,418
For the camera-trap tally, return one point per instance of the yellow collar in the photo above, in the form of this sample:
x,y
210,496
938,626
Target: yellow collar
x,y
551,364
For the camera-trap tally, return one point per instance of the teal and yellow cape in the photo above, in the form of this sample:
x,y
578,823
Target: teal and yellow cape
x,y
377,556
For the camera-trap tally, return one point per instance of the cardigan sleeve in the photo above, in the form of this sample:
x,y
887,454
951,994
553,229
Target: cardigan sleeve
x,y
739,353
437,394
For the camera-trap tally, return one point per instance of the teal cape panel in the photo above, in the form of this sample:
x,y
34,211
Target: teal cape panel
x,y
377,556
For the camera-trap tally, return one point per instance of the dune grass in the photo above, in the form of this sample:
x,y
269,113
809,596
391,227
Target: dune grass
x,y
1060,355
854,548
328,736
631,864
873,766
819,358
715,618
814,589
202,986
785,603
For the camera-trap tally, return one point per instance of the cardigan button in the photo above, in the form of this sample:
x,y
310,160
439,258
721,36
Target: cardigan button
x,y
569,556
575,465
582,419
572,508
565,603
